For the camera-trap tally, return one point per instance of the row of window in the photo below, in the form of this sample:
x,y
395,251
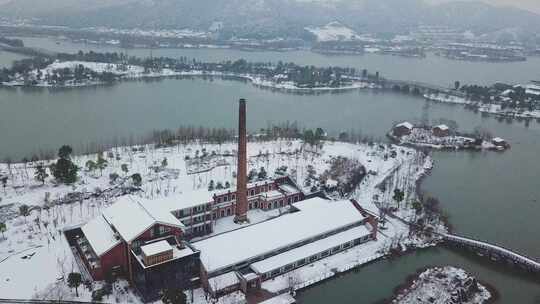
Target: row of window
x,y
251,192
313,258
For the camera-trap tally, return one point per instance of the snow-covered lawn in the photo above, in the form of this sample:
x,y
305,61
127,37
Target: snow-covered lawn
x,y
333,31
48,259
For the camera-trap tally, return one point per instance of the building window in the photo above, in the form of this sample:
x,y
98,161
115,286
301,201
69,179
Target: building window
x,y
289,200
313,258
219,200
228,211
296,198
250,206
281,203
233,197
275,204
164,229
222,213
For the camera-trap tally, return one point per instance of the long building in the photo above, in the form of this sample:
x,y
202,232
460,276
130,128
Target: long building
x,y
316,228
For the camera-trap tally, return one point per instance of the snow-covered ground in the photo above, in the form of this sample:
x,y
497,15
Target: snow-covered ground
x,y
493,109
443,285
333,31
422,137
137,72
36,242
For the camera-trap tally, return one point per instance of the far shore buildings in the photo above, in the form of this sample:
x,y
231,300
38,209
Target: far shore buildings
x,y
441,131
402,129
205,239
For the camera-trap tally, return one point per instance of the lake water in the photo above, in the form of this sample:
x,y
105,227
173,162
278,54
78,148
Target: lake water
x,y
487,195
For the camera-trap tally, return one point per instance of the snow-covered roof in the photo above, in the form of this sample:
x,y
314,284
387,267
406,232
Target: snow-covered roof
x,y
156,248
498,140
273,194
284,298
100,235
308,250
442,127
331,183
164,206
316,216
405,124
223,281
130,217
288,189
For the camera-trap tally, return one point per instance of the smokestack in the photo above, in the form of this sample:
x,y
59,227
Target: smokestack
x,y
241,173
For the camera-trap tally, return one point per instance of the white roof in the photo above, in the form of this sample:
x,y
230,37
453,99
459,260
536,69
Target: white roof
x,y
156,248
273,194
162,208
100,235
442,127
130,217
405,124
284,298
316,216
288,188
308,250
497,139
223,281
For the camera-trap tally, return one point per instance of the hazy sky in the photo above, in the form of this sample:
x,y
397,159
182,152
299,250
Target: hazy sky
x,y
532,5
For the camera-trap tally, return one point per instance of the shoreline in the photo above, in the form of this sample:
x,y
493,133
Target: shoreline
x,y
401,289
256,80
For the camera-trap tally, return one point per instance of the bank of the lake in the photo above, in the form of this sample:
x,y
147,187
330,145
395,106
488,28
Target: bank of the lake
x,y
431,69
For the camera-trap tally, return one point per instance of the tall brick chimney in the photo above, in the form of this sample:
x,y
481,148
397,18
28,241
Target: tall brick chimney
x,y
241,173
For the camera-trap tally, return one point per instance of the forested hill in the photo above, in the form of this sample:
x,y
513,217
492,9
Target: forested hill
x,y
272,18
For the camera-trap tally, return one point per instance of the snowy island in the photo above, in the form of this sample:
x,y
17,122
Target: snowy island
x,y
442,137
89,69
443,285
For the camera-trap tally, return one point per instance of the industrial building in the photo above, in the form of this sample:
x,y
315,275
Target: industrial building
x,y
150,241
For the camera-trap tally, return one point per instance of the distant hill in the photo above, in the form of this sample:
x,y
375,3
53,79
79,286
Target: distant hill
x,y
272,18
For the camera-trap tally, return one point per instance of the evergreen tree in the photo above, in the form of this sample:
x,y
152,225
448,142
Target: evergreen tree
x,y
74,281
101,163
262,174
399,195
124,168
137,179
24,210
4,180
173,296
164,163
65,170
90,165
41,173
3,228
211,185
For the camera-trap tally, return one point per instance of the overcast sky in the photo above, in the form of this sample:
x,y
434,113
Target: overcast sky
x,y
532,5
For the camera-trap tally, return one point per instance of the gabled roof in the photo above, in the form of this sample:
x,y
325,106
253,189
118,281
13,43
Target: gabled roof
x,y
315,217
100,235
405,124
442,127
131,218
